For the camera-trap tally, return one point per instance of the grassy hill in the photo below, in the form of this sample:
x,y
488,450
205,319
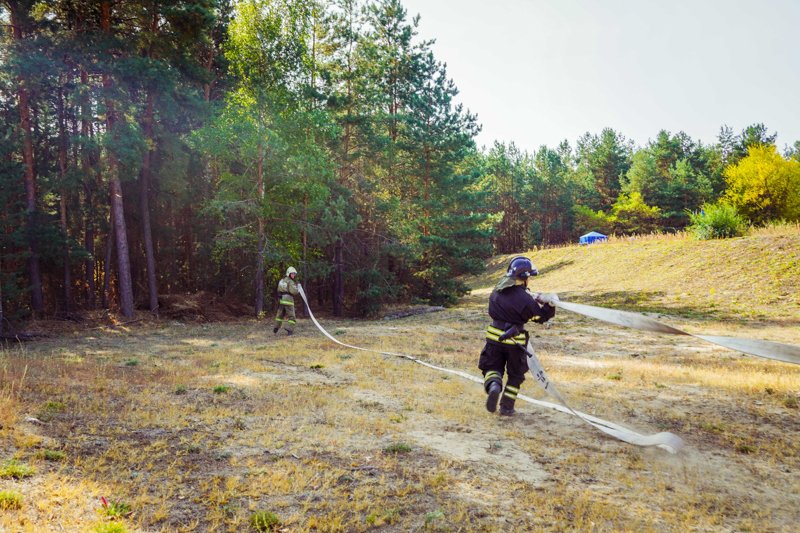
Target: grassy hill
x,y
753,277
187,426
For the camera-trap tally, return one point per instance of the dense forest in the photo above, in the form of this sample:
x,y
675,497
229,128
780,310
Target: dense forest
x,y
156,147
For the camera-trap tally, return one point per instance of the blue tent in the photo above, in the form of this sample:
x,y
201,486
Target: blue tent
x,y
591,237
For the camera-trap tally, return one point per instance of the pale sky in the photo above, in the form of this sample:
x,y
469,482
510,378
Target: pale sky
x,y
541,71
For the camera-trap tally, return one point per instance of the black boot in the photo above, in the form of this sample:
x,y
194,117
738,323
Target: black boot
x,y
507,404
493,395
275,329
290,333
507,411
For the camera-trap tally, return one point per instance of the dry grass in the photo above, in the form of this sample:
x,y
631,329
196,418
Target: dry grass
x,y
324,438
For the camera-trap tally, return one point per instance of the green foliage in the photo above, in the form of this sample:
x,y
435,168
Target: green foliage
x,y
221,389
433,516
588,220
115,509
49,410
397,448
264,521
53,455
631,215
10,500
110,527
15,470
325,135
602,161
764,186
675,174
717,221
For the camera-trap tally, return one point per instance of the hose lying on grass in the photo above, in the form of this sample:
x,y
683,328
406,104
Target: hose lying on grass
x,y
767,349
668,441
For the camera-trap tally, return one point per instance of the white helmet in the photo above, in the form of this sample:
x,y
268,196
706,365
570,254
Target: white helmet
x,y
291,270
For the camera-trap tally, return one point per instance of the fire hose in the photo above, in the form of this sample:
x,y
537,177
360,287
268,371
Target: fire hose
x,y
665,440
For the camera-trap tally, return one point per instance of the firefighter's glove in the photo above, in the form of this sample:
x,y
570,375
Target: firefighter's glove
x,y
549,298
513,331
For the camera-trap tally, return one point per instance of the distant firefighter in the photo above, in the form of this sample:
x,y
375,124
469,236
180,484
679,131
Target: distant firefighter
x,y
287,290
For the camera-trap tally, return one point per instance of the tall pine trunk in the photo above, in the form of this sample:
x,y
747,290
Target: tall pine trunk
x,y
62,165
107,258
88,191
338,284
37,296
261,234
124,281
145,175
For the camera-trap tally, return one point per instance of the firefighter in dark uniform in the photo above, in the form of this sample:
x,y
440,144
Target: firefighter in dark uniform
x,y
511,305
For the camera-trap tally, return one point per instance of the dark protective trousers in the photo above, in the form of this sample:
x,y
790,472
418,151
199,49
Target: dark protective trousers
x,y
495,360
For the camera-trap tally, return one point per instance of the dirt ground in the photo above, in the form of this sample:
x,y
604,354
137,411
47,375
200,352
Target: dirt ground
x,y
196,427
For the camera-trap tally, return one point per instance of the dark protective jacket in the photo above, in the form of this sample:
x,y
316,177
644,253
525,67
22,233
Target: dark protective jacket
x,y
515,306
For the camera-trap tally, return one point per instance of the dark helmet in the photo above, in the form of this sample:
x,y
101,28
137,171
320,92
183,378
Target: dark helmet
x,y
521,268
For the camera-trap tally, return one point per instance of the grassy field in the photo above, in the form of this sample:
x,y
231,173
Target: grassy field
x,y
179,426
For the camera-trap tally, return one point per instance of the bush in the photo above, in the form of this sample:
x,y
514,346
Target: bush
x,y
717,221
110,527
10,499
52,455
264,521
116,509
16,470
397,448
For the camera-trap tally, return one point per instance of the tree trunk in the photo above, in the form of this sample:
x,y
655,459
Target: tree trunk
x,y
152,288
261,234
124,281
88,190
305,248
107,269
2,316
338,285
62,164
37,297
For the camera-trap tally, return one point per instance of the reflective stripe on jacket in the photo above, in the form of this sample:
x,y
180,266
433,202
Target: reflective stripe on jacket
x,y
493,334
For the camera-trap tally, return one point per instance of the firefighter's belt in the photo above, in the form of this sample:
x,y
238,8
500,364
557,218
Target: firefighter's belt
x,y
494,334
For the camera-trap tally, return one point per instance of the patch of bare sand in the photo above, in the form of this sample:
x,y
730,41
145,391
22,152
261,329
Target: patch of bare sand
x,y
284,373
486,451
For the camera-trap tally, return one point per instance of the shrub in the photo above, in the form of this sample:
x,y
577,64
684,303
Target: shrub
x,y
397,447
110,527
264,521
116,509
631,215
49,410
10,499
16,470
53,455
717,221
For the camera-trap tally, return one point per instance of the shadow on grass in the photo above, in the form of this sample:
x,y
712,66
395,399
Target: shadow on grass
x,y
551,268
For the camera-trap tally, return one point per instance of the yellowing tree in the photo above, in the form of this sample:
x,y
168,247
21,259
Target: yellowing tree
x,y
764,186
